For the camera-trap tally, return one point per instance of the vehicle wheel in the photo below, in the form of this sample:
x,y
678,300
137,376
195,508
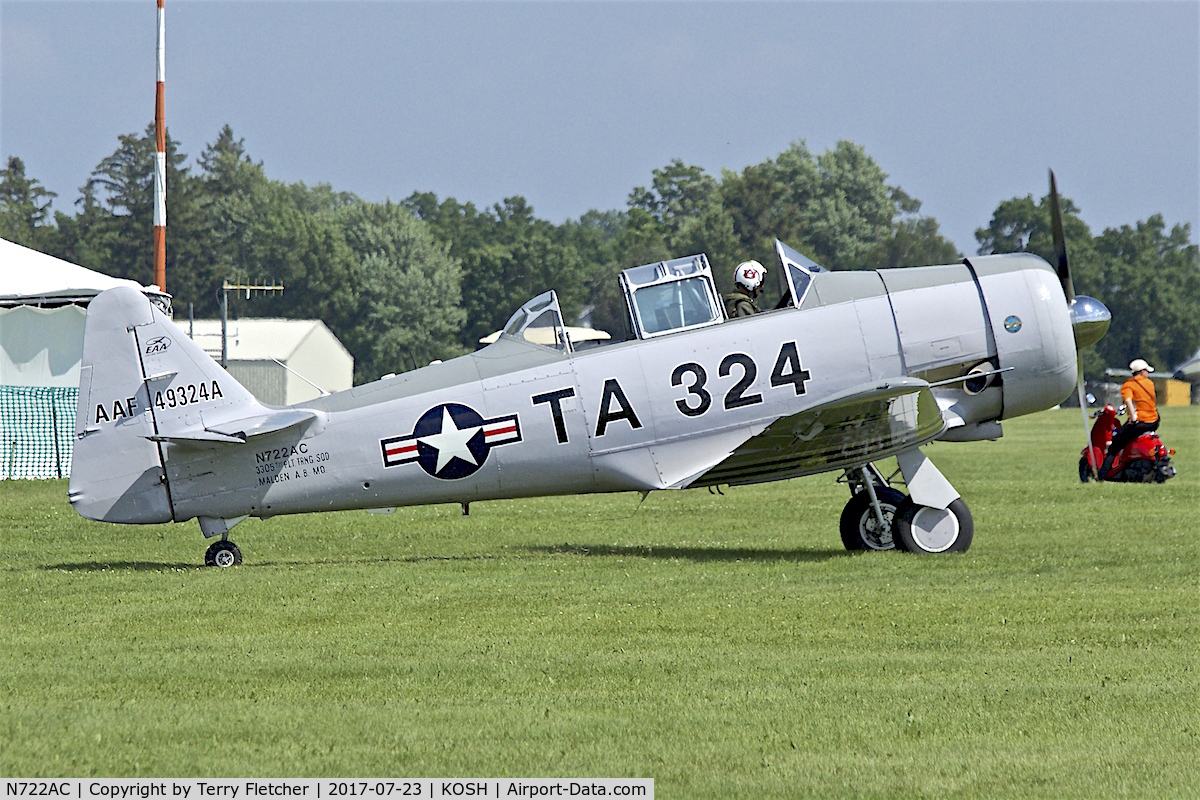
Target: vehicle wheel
x,y
921,529
1085,470
860,529
1140,471
223,554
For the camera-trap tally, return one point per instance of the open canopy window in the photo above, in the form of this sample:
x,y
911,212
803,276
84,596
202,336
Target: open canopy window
x,y
799,270
540,321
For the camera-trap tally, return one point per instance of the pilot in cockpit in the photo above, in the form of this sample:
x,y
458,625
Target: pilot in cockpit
x,y
747,286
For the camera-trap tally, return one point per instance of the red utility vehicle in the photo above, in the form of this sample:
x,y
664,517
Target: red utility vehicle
x,y
1144,460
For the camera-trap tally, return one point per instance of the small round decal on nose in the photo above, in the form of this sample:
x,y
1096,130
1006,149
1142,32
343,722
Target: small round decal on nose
x,y
1012,324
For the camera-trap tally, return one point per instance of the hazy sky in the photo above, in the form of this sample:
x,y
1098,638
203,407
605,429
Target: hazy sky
x,y
572,104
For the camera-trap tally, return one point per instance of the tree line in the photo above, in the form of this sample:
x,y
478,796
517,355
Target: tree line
x,y
403,283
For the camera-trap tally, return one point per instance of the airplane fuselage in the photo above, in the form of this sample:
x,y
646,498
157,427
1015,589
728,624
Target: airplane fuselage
x,y
516,419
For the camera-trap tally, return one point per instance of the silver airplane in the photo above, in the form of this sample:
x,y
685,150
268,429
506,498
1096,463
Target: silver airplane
x,y
854,367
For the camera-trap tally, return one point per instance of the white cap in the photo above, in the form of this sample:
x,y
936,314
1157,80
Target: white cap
x,y
1139,364
749,274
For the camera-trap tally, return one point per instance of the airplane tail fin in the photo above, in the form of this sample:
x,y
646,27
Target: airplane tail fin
x,y
143,384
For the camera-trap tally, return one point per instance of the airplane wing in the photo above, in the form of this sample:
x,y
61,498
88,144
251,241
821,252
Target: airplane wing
x,y
862,424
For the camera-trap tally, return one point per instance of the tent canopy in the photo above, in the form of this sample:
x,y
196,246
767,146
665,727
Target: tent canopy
x,y
28,277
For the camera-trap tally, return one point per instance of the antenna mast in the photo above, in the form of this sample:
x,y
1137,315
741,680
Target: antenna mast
x,y
237,287
160,162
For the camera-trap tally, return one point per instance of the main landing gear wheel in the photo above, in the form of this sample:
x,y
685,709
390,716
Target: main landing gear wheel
x,y
223,554
859,526
921,529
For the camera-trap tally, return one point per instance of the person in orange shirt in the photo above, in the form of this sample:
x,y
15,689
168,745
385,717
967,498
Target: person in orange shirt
x,y
1140,410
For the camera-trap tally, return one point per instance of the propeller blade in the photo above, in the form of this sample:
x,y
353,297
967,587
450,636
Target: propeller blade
x,y
1060,242
1087,432
1089,317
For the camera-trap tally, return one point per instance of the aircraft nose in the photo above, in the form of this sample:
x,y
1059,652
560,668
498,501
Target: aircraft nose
x,y
1089,320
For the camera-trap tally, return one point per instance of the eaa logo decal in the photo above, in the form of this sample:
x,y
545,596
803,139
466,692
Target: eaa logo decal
x,y
158,344
451,441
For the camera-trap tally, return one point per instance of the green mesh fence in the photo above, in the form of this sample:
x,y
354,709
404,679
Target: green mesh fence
x,y
37,429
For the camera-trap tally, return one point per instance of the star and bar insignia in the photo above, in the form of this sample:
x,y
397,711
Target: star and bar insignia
x,y
451,441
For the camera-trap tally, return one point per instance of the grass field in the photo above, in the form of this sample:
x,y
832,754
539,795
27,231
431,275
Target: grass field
x,y
724,646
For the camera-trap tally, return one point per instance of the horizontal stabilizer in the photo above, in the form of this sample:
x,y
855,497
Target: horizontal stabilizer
x,y
239,430
196,437
854,427
249,427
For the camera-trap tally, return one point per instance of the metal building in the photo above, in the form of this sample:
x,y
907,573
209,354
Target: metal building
x,y
281,361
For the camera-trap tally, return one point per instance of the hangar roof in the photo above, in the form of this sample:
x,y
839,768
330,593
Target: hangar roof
x,y
254,339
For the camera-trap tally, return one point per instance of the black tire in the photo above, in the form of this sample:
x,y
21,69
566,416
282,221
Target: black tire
x,y
1085,470
860,529
223,554
921,529
1141,471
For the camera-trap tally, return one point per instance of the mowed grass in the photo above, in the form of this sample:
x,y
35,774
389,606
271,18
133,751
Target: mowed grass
x,y
723,645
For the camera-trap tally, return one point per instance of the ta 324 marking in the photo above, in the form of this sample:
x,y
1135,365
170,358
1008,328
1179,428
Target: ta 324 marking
x,y
787,371
451,441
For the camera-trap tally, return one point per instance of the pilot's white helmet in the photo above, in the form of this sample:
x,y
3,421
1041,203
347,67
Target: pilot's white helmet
x,y
749,275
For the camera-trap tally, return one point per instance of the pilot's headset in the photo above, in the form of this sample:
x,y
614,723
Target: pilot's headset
x,y
749,275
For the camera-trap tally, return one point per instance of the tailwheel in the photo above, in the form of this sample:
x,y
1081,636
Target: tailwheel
x,y
223,554
860,527
922,529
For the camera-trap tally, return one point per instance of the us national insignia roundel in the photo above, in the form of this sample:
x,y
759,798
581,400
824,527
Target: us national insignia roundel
x,y
450,441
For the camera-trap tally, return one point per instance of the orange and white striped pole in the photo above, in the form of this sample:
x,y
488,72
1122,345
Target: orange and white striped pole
x,y
160,163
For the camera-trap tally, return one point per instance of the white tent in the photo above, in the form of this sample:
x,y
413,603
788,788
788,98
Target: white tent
x,y
42,300
28,277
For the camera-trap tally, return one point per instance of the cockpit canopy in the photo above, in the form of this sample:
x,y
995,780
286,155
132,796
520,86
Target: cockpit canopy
x,y
669,296
663,297
680,294
540,321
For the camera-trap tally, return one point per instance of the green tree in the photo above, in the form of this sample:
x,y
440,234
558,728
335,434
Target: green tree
x,y
685,203
1148,278
235,197
835,207
24,205
113,231
853,209
913,241
609,242
508,256
407,291
1022,225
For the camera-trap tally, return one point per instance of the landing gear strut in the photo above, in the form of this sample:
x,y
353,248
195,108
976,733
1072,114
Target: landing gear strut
x,y
867,520
879,517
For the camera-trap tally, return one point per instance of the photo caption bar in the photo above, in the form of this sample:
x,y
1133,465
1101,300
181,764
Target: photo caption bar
x,y
324,788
